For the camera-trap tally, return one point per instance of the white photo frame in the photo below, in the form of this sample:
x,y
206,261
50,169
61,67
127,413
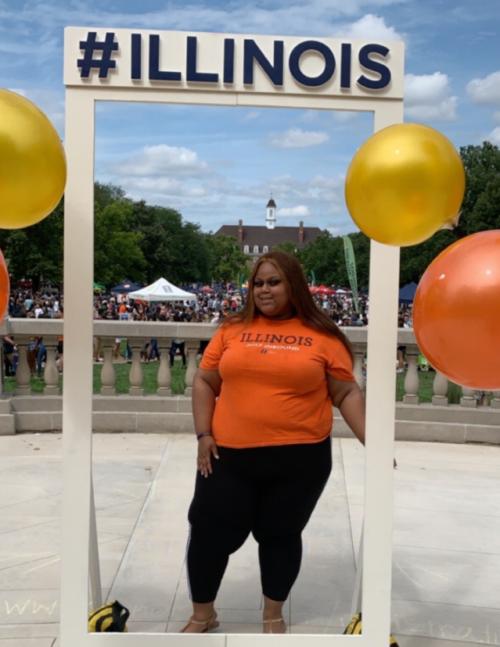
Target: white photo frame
x,y
78,511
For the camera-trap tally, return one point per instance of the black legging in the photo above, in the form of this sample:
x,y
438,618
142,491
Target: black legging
x,y
269,491
181,346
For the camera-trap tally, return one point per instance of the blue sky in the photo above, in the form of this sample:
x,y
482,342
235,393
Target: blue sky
x,y
217,165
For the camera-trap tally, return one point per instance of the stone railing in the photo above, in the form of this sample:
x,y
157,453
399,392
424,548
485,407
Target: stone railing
x,y
164,411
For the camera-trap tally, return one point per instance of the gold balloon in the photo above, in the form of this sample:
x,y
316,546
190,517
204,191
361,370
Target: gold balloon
x,y
32,163
404,183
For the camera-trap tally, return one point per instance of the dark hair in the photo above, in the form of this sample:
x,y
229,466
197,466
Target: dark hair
x,y
298,293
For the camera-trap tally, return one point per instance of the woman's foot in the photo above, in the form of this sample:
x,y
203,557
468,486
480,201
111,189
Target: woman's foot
x,y
200,625
274,626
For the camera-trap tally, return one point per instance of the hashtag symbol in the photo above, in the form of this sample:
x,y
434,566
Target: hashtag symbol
x,y
89,47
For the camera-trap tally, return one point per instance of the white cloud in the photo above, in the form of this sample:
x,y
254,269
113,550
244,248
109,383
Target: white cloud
x,y
442,111
344,116
157,160
486,90
300,210
164,185
329,182
320,16
428,97
298,138
369,27
494,136
309,116
178,194
252,115
313,200
496,117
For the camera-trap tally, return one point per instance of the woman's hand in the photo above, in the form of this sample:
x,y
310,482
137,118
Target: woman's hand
x,y
206,449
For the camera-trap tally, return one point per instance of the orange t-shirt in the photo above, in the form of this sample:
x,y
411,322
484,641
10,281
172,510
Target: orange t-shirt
x,y
274,389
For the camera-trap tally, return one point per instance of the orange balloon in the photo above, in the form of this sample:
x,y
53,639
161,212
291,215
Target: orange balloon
x,y
456,312
4,287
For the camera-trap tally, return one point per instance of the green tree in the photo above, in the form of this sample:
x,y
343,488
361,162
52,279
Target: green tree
x,y
172,248
36,252
196,265
416,259
480,206
289,248
325,257
117,251
160,230
226,260
105,194
487,207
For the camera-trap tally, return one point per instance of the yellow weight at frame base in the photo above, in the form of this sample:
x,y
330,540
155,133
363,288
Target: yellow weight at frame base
x,y
355,627
32,163
111,617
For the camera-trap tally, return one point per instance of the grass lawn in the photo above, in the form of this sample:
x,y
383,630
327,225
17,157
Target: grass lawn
x,y
150,371
425,388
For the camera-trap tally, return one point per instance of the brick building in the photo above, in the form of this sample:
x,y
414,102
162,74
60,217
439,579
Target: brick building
x,y
255,240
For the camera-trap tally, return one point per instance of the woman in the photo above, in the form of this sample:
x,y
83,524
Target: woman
x,y
262,405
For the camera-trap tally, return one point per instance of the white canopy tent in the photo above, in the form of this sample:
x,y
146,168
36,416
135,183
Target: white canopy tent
x,y
162,290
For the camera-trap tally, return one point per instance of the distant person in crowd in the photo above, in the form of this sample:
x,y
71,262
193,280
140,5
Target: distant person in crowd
x,y
60,354
123,311
178,346
9,355
401,350
41,356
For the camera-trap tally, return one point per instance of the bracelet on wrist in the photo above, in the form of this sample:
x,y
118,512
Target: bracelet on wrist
x,y
205,433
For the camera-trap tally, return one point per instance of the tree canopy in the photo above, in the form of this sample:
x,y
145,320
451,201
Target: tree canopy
x,y
117,244
36,252
226,260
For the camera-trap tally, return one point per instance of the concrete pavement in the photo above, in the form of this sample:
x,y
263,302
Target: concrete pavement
x,y
446,541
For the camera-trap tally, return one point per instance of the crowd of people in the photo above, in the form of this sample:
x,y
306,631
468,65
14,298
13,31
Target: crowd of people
x,y
213,304
26,303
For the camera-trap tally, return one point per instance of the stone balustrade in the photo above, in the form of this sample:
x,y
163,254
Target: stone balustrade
x,y
23,410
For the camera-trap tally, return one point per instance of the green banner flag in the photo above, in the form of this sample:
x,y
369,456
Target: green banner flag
x,y
350,263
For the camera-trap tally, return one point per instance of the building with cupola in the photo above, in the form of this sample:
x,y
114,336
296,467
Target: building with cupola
x,y
255,240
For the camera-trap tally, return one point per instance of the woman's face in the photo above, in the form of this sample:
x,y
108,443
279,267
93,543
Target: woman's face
x,y
270,293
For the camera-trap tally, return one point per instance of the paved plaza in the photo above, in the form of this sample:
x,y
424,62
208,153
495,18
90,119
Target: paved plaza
x,y
446,541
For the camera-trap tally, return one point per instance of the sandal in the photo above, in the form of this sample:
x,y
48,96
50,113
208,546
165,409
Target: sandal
x,y
270,622
207,625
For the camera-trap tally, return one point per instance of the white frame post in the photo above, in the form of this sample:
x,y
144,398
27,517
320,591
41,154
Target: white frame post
x,y
78,352
78,334
380,427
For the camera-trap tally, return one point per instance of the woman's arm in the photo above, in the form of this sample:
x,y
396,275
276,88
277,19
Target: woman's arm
x,y
206,388
349,399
